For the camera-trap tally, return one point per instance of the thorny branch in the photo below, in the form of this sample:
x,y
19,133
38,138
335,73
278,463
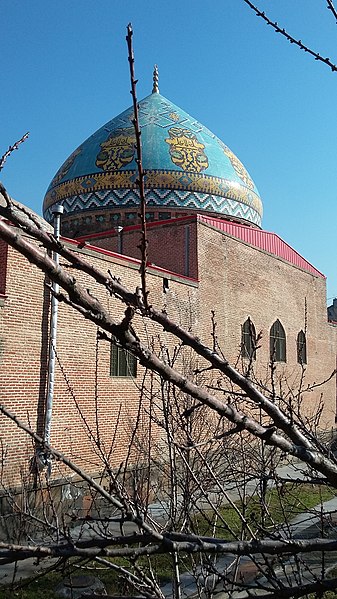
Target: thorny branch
x,y
292,39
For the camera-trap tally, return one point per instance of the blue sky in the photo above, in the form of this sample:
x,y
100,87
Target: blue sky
x,y
64,73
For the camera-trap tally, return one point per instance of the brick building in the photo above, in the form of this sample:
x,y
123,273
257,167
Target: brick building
x,y
207,253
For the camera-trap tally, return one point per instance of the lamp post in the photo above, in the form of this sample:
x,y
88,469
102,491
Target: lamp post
x,y
57,211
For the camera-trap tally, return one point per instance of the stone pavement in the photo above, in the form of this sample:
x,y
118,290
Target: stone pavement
x,y
27,568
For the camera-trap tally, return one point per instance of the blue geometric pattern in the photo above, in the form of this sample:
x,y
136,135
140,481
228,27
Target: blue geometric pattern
x,y
129,198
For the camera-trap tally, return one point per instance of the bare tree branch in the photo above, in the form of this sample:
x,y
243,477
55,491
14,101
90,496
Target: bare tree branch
x,y
202,428
132,515
183,543
332,8
299,446
290,38
11,149
140,180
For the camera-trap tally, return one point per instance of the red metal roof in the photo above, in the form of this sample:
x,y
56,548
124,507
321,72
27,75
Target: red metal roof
x,y
264,240
269,242
123,258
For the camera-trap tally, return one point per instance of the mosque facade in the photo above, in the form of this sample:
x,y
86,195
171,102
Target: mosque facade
x,y
209,258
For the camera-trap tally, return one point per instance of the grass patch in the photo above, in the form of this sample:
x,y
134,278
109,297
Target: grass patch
x,y
39,589
280,504
44,586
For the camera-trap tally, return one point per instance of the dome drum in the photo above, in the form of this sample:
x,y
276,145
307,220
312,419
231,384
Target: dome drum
x,y
83,222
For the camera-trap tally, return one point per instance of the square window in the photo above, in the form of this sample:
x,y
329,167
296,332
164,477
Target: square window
x,y
122,362
164,215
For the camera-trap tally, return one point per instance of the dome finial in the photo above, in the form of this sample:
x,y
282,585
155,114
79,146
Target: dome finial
x,y
155,89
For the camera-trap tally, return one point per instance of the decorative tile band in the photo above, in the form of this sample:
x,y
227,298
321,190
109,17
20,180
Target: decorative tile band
x,y
111,181
129,198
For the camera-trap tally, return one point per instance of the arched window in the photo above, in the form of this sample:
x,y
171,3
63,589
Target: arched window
x,y
301,348
248,340
278,343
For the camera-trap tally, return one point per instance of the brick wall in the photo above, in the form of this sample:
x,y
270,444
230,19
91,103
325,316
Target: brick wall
x,y
77,410
239,281
236,281
172,245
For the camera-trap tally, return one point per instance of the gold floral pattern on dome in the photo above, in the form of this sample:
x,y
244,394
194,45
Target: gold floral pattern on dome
x,y
117,150
186,151
65,167
161,179
174,116
238,167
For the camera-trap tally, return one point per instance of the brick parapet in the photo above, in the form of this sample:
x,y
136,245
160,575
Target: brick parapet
x,y
172,245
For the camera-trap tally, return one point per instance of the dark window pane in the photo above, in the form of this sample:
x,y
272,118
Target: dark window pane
x,y
277,342
301,348
122,363
248,340
113,361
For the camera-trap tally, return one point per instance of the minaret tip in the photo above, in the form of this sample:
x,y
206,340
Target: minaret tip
x,y
155,89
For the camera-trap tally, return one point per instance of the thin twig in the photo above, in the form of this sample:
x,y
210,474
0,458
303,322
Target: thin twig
x,y
131,515
11,149
140,179
332,8
289,37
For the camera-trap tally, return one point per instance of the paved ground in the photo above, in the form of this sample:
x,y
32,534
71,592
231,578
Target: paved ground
x,y
301,526
27,568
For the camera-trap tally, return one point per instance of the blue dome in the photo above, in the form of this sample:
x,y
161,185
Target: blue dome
x,y
186,168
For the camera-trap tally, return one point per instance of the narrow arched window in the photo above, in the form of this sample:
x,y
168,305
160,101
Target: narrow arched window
x,y
301,348
248,340
277,343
